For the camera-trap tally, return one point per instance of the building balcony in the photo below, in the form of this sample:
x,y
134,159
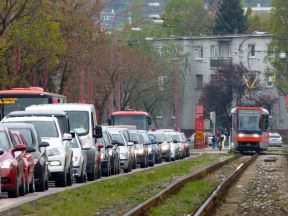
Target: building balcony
x,y
220,62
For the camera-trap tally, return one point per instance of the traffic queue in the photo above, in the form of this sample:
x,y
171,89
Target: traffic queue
x,y
62,143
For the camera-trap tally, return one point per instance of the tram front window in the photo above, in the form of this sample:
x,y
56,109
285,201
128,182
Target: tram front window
x,y
249,120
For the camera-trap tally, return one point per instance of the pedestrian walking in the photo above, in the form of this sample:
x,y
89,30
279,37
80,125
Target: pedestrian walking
x,y
219,142
213,142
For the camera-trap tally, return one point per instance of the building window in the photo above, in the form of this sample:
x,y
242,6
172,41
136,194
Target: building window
x,y
251,48
213,52
199,52
224,50
199,81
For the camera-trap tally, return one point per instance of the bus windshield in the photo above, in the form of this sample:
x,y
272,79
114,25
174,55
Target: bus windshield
x,y
249,120
140,121
11,103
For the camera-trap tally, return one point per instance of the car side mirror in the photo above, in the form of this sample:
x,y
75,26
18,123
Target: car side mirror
x,y
44,144
135,142
20,147
149,121
67,137
72,134
1,151
98,132
30,149
100,146
109,146
109,120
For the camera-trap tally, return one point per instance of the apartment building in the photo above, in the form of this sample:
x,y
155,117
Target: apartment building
x,y
205,55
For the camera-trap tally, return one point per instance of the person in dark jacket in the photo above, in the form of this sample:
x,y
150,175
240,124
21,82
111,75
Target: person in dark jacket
x,y
213,142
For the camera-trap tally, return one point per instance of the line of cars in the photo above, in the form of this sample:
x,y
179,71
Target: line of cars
x,y
62,143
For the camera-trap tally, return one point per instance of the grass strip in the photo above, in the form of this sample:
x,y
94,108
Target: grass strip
x,y
119,194
188,200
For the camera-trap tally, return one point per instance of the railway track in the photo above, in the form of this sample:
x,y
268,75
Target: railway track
x,y
144,208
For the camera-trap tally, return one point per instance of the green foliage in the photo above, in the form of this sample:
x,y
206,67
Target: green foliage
x,y
279,28
258,23
185,18
230,18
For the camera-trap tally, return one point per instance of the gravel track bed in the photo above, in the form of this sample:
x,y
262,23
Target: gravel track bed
x,y
261,191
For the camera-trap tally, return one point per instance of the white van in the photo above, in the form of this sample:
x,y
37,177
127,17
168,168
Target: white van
x,y
82,118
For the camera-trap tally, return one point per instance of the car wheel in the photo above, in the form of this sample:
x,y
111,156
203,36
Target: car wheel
x,y
32,186
62,182
22,188
40,186
70,178
92,175
15,192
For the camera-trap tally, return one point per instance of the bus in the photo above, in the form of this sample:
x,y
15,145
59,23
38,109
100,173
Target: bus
x,y
17,99
140,119
249,127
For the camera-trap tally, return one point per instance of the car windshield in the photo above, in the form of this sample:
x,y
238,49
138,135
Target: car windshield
x,y
79,121
275,136
45,128
146,138
160,137
26,133
176,137
168,138
249,120
118,138
4,143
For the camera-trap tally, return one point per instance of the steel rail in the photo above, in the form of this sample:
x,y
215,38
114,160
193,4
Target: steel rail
x,y
218,194
143,208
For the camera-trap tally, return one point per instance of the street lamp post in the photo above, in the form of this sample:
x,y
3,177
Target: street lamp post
x,y
176,93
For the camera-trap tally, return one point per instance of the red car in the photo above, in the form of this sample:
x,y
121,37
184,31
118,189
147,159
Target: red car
x,y
12,164
28,162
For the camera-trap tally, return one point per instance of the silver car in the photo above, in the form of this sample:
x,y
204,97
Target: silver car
x,y
125,154
275,139
79,159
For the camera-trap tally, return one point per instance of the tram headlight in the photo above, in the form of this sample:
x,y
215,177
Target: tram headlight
x,y
256,135
240,135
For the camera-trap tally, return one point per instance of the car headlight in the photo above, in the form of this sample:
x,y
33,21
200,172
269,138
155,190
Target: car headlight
x,y
54,163
140,151
165,147
149,149
8,163
54,152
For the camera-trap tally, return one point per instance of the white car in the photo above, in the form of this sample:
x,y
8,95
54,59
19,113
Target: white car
x,y
275,139
59,151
